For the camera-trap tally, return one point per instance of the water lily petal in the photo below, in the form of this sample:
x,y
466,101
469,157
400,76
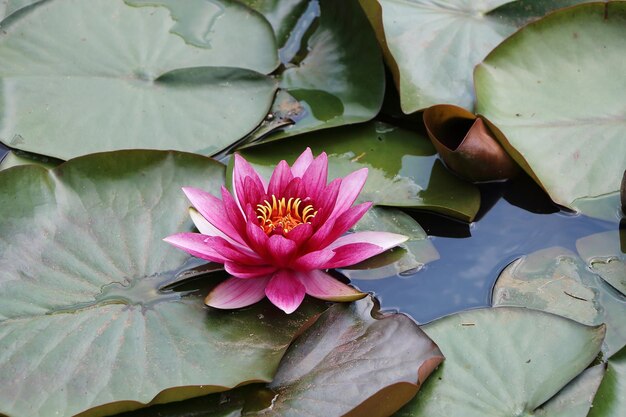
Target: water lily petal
x,y
300,233
280,179
212,209
237,293
247,271
351,186
352,253
242,170
234,212
233,253
254,193
320,285
195,245
385,240
281,249
294,189
302,163
256,237
313,260
326,202
335,227
285,290
315,177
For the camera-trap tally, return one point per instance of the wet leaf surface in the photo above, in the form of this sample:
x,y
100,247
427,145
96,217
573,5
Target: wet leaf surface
x,y
84,321
499,362
561,111
605,256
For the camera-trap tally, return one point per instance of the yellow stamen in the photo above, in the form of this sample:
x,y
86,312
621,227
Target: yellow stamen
x,y
284,214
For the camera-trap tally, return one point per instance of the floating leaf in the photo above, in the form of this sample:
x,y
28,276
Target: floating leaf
x,y
610,400
73,83
467,144
432,47
403,168
555,280
603,254
333,66
552,90
502,361
84,321
408,258
576,399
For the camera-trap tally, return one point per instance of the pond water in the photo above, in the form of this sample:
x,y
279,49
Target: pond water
x,y
472,256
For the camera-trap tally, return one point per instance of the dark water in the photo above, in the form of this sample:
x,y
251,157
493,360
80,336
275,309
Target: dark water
x,y
472,256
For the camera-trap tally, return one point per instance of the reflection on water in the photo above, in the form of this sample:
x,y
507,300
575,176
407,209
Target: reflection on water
x,y
467,270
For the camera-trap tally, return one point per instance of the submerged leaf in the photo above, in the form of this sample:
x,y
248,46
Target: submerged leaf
x,y
467,144
87,317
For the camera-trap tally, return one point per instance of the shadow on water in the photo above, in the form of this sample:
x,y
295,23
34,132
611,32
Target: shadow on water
x,y
517,218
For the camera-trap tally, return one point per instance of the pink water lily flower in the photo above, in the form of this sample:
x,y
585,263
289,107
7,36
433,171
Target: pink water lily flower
x,y
276,239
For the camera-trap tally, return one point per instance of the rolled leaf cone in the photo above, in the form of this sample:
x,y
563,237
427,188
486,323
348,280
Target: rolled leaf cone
x,y
467,144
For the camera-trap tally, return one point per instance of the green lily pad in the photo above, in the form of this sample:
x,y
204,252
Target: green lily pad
x,y
561,111
503,361
403,167
610,400
432,47
8,7
557,281
345,364
73,83
84,319
576,399
603,254
407,258
333,65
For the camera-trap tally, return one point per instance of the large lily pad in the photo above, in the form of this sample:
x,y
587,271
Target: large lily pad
x,y
83,319
347,364
407,258
80,77
610,400
403,167
433,46
556,280
333,65
8,7
502,362
553,90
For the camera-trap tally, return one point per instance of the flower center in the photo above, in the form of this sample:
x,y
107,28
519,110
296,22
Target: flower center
x,y
283,214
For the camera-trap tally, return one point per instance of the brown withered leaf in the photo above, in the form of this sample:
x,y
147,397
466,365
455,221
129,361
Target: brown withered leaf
x,y
468,144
